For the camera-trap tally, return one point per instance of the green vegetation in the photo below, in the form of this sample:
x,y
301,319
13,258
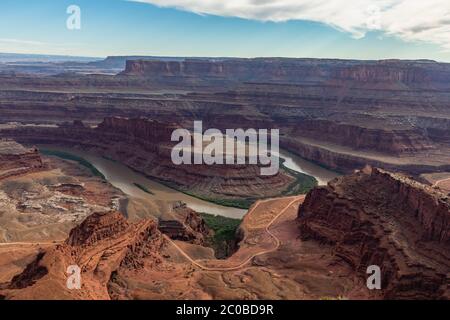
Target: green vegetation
x,y
234,203
223,240
145,189
72,157
303,183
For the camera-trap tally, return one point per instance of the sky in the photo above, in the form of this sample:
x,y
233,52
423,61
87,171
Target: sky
x,y
358,29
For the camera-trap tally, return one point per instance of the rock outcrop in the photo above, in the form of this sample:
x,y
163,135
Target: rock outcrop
x,y
145,145
369,218
45,203
184,224
374,217
16,159
97,227
336,158
103,244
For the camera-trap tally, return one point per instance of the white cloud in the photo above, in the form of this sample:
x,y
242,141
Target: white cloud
x,y
410,20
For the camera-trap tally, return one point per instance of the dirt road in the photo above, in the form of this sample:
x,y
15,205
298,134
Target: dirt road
x,y
29,243
436,184
187,256
245,262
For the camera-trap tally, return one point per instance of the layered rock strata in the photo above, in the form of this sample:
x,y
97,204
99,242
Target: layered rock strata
x,y
103,244
374,217
418,73
145,145
184,224
16,159
398,109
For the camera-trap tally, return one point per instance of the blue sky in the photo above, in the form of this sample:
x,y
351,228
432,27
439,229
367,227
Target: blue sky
x,y
118,27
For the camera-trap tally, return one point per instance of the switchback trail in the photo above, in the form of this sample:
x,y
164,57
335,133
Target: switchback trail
x,y
243,263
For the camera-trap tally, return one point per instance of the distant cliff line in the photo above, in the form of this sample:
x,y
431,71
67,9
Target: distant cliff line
x,y
410,72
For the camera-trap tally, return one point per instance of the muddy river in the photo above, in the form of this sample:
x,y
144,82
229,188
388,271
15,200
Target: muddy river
x,y
126,179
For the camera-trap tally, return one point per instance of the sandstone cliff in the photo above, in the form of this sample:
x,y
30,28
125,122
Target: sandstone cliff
x,y
369,218
184,224
16,159
415,73
145,145
374,217
390,141
399,108
103,244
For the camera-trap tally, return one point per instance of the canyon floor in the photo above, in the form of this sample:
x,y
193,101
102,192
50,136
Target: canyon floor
x,y
316,246
266,266
45,204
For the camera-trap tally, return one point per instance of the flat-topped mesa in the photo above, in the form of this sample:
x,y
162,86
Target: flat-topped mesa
x,y
389,71
414,73
15,159
374,217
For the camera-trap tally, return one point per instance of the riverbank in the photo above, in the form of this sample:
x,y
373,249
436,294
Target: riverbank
x,y
138,185
72,157
160,196
302,184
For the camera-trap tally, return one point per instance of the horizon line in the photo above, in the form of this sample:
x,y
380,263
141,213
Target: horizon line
x,y
216,57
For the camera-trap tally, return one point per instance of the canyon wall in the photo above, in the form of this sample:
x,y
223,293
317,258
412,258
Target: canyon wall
x,y
389,141
398,108
16,159
415,73
145,145
103,244
347,162
184,224
374,217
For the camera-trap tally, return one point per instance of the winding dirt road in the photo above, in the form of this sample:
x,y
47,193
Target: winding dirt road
x,y
436,184
245,262
187,256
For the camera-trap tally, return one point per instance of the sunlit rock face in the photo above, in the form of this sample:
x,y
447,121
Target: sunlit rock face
x,y
374,217
16,159
415,73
